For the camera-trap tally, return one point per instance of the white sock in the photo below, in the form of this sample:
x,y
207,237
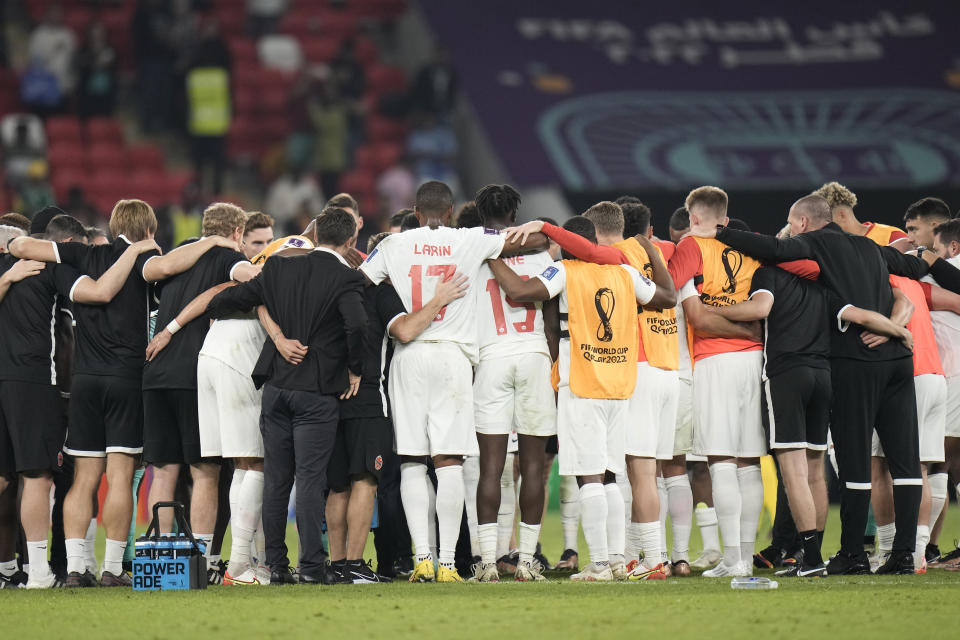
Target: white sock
x,y
236,485
245,520
113,556
593,513
662,518
207,540
487,539
432,520
623,482
727,502
471,480
751,493
616,531
508,508
527,536
39,565
707,523
938,495
76,555
648,541
416,505
8,568
680,504
90,546
569,511
449,511
259,542
923,537
885,535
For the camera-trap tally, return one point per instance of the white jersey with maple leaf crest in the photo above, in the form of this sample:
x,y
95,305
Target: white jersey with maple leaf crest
x,y
416,260
508,327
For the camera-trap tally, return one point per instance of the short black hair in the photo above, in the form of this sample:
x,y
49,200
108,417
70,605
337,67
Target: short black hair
x,y
40,220
583,227
410,221
948,231
680,219
335,226
547,219
737,224
342,200
434,196
927,208
497,203
95,232
622,200
397,219
64,226
636,217
468,216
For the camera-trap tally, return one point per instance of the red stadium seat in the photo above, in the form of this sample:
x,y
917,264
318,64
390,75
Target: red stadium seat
x,y
177,181
246,100
275,129
365,50
318,50
64,129
63,180
243,50
386,155
150,187
107,157
145,157
104,130
380,129
245,138
67,155
358,183
382,79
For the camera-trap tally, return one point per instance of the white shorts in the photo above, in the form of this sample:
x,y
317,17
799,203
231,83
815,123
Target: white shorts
x,y
726,405
228,409
590,434
653,413
514,392
431,393
931,417
683,434
953,407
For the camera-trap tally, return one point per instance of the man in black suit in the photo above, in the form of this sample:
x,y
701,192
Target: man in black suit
x,y
317,300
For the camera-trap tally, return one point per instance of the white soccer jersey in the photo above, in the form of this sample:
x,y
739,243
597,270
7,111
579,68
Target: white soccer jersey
x,y
507,327
554,278
946,329
686,365
416,260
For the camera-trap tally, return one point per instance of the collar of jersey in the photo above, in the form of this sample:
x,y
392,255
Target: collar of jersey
x,y
331,251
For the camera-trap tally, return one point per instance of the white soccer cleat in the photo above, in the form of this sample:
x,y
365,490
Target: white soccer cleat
x,y
263,574
47,582
722,570
246,578
485,573
529,572
594,573
707,559
619,569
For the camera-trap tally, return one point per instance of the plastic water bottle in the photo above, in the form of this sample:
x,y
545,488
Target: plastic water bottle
x,y
753,583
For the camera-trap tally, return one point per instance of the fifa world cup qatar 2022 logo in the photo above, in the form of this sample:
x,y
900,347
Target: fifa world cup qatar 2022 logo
x,y
732,260
605,302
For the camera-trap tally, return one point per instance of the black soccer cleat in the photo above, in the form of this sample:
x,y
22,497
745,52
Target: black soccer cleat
x,y
108,579
932,553
77,580
900,563
282,576
17,580
216,572
362,573
770,558
542,559
848,564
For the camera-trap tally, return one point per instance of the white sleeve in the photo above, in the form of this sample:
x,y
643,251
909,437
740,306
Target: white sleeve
x,y
766,291
643,288
375,266
843,325
232,269
492,244
554,278
688,290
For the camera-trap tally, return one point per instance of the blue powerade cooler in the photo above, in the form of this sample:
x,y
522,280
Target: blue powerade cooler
x,y
169,562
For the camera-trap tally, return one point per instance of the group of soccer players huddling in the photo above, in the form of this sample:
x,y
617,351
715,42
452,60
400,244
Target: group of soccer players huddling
x,y
478,350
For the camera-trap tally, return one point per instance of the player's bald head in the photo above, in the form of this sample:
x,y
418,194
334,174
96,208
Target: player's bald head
x,y
817,208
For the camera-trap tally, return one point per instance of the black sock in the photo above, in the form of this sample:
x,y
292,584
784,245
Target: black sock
x,y
811,548
820,538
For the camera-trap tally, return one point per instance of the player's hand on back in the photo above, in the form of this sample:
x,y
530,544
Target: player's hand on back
x,y
24,269
523,231
451,288
353,258
354,386
292,350
756,329
907,338
220,241
872,340
160,340
144,246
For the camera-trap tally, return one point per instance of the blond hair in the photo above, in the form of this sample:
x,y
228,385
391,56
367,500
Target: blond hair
x,y
133,219
837,195
222,219
374,240
713,199
607,218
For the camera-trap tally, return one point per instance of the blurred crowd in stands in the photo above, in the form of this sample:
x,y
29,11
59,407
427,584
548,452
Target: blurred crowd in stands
x,y
180,102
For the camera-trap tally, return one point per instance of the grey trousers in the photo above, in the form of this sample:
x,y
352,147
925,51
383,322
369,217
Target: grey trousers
x,y
299,429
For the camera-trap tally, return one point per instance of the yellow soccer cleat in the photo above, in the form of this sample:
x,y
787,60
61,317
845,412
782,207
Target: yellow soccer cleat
x,y
448,575
423,572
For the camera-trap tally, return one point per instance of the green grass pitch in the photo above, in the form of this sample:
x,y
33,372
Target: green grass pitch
x,y
863,607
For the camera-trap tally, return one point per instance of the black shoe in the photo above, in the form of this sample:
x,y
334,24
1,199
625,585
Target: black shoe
x,y
403,567
770,558
568,561
285,575
216,572
542,559
932,553
949,558
77,580
848,564
810,571
108,579
16,581
360,572
900,563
